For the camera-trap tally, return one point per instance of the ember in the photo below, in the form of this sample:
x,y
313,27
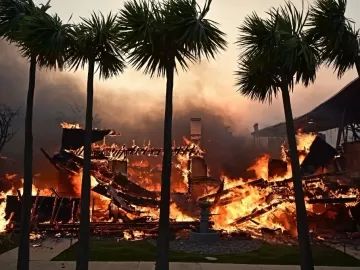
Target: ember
x,y
126,190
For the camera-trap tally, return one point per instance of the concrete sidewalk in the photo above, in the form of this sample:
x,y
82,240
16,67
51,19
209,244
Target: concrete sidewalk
x,y
41,251
45,265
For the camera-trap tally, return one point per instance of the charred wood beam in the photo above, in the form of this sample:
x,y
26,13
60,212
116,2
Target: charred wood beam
x,y
50,159
54,192
122,183
121,203
218,193
101,189
120,153
281,183
111,227
332,200
53,210
256,213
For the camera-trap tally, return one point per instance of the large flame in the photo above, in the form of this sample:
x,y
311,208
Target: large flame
x,y
241,196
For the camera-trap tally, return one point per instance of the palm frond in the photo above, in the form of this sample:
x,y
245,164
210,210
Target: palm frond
x,y
11,13
334,34
97,39
47,37
153,32
281,50
257,79
191,29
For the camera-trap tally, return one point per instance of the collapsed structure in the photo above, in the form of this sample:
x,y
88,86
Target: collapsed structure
x,y
126,184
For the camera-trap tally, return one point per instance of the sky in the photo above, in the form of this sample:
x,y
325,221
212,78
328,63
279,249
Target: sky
x,y
213,83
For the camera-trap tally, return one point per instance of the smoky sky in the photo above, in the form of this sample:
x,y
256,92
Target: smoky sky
x,y
139,119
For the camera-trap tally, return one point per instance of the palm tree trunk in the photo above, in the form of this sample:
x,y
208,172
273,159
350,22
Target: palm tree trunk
x,y
82,262
357,65
162,259
306,260
23,252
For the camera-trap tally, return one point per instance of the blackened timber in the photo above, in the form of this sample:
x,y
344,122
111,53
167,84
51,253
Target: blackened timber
x,y
256,213
122,152
332,200
320,154
122,183
101,189
50,159
68,161
218,193
73,138
127,186
111,227
64,208
261,183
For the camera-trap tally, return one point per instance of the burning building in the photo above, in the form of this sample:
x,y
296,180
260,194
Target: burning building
x,y
126,186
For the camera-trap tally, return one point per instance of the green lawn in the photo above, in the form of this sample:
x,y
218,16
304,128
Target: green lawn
x,y
8,242
107,250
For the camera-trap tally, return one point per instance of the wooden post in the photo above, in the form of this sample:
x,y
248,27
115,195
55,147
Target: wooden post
x,y
33,209
341,129
53,210
72,211
92,210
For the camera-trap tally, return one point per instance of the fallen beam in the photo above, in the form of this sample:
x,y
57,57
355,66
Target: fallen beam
x,y
256,213
107,226
50,159
332,200
102,190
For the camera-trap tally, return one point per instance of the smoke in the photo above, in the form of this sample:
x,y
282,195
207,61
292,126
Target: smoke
x,y
135,114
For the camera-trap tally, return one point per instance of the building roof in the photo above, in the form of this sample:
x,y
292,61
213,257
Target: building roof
x,y
327,115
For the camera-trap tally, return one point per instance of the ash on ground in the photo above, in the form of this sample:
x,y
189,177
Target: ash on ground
x,y
224,246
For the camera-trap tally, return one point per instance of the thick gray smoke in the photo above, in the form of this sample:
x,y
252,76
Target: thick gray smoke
x,y
120,110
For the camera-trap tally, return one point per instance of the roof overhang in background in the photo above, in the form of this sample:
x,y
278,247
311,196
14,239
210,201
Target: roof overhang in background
x,y
326,116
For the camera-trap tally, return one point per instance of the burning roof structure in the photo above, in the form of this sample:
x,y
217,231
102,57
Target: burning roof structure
x,y
126,189
339,110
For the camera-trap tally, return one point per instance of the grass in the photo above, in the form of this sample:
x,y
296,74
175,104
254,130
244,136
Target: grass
x,y
8,242
106,250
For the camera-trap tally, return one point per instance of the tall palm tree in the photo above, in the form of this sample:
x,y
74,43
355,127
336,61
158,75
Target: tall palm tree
x,y
95,42
41,39
160,37
276,55
335,35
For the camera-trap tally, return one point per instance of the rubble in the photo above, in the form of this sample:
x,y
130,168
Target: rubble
x,y
128,197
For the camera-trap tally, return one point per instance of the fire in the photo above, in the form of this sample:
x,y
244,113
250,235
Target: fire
x,y
134,235
3,221
13,191
176,214
70,126
242,204
304,140
261,167
245,199
100,202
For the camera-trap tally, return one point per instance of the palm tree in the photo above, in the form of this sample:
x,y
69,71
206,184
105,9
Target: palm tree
x,y
41,39
276,55
95,42
160,37
335,35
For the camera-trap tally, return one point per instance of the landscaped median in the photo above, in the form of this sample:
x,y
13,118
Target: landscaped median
x,y
111,250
